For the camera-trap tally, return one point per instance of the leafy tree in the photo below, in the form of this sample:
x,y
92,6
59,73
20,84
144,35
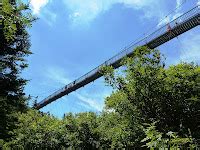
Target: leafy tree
x,y
155,139
14,46
37,131
81,130
145,93
150,92
116,131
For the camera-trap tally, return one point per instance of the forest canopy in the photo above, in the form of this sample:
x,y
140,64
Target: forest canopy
x,y
151,106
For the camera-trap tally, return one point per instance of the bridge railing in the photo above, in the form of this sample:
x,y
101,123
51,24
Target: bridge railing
x,y
144,41
129,49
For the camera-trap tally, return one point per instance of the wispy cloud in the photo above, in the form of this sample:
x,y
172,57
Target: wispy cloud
x,y
49,17
164,21
36,5
87,98
178,4
190,50
198,2
57,75
89,102
85,12
40,9
173,15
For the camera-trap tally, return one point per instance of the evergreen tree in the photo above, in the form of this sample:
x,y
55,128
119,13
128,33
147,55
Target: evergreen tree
x,y
14,46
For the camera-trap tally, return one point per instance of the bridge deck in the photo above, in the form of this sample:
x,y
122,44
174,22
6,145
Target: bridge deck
x,y
178,26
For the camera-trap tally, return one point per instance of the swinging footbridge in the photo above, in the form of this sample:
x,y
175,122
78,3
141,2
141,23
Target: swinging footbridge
x,y
176,27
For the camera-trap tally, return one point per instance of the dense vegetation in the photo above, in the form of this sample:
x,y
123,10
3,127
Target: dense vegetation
x,y
151,105
13,47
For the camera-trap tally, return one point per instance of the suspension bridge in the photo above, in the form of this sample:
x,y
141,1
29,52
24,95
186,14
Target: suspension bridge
x,y
176,27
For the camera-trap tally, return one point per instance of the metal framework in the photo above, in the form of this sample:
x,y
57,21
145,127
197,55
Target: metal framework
x,y
167,32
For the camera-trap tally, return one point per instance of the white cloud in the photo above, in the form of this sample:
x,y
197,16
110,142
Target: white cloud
x,y
164,21
178,9
190,50
36,5
176,15
168,19
89,102
83,12
48,16
173,15
178,4
198,2
57,75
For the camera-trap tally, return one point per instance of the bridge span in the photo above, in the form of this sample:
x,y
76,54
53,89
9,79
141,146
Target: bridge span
x,y
178,26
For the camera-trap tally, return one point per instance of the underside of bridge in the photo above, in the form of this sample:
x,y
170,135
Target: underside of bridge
x,y
178,26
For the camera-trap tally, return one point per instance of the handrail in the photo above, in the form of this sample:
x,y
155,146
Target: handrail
x,y
127,51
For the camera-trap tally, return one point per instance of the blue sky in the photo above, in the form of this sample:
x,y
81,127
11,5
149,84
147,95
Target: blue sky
x,y
74,36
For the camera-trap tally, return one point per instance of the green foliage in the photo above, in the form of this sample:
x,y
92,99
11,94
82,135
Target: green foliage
x,y
155,139
81,130
150,107
115,131
108,72
14,47
150,92
37,131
